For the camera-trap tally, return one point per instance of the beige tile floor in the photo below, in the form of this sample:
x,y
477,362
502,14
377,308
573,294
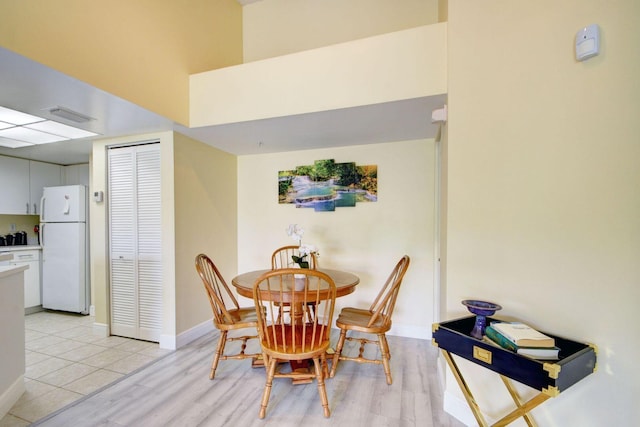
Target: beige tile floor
x,y
65,361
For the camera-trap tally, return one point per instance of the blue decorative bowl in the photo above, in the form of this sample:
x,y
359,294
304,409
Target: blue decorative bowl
x,y
481,309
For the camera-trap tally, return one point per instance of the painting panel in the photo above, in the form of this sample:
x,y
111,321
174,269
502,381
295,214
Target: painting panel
x,y
326,185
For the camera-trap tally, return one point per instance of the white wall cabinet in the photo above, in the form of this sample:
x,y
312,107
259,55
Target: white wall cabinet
x,y
14,177
22,182
76,174
41,175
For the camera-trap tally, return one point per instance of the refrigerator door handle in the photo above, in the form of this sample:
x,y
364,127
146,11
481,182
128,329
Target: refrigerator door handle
x,y
41,234
42,200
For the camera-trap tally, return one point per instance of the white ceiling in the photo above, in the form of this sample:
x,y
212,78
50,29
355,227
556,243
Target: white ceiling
x,y
32,88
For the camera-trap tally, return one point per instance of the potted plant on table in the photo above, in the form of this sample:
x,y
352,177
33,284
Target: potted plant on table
x,y
304,251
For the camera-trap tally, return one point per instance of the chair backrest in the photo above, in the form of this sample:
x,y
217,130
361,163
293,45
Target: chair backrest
x,y
217,290
382,307
303,334
281,258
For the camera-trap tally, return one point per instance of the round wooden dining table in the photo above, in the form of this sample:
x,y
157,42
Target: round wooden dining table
x,y
345,282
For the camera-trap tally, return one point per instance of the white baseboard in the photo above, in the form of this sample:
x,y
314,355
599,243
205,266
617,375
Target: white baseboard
x,y
168,342
11,395
101,329
410,331
458,408
92,310
442,372
451,403
172,342
31,310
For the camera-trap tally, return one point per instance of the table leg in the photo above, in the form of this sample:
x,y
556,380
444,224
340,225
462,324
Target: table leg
x,y
471,401
302,366
522,409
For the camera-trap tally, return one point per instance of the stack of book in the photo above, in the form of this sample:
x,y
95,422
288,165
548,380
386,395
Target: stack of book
x,y
522,339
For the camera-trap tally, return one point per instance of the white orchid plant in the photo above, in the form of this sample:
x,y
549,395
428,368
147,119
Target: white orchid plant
x,y
296,232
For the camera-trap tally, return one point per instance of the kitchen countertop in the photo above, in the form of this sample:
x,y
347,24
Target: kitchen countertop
x,y
10,270
19,248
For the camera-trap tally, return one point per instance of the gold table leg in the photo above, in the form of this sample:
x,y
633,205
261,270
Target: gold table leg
x,y
471,401
522,409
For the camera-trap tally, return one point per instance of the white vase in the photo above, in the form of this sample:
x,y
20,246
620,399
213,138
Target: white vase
x,y
299,282
298,276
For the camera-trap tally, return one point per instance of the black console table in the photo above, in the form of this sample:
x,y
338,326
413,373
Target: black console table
x,y
550,378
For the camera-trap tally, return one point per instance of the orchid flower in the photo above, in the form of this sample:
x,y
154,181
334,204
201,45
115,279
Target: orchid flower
x,y
303,251
295,232
308,249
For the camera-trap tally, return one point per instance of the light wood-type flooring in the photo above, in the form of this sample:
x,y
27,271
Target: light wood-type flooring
x,y
66,361
175,390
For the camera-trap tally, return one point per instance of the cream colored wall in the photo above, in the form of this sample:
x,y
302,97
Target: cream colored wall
x,y
279,27
22,223
99,229
142,51
543,202
206,217
391,67
443,6
367,239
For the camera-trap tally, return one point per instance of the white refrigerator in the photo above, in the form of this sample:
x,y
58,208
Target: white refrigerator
x,y
63,237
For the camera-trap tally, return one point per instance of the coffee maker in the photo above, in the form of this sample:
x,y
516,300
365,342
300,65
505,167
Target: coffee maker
x,y
20,238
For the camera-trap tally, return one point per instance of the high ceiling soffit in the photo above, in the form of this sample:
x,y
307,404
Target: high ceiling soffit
x,y
33,88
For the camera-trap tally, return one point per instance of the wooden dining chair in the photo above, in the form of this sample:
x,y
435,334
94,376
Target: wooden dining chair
x,y
226,319
282,258
301,339
376,320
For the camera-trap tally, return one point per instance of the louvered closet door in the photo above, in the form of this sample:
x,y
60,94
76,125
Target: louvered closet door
x,y
135,257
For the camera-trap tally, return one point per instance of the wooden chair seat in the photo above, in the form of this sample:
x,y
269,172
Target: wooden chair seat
x,y
376,320
298,343
239,316
227,319
303,337
358,319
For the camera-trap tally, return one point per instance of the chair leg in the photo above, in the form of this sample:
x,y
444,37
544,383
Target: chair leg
x,y
219,351
322,391
267,387
384,351
336,356
325,366
386,345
